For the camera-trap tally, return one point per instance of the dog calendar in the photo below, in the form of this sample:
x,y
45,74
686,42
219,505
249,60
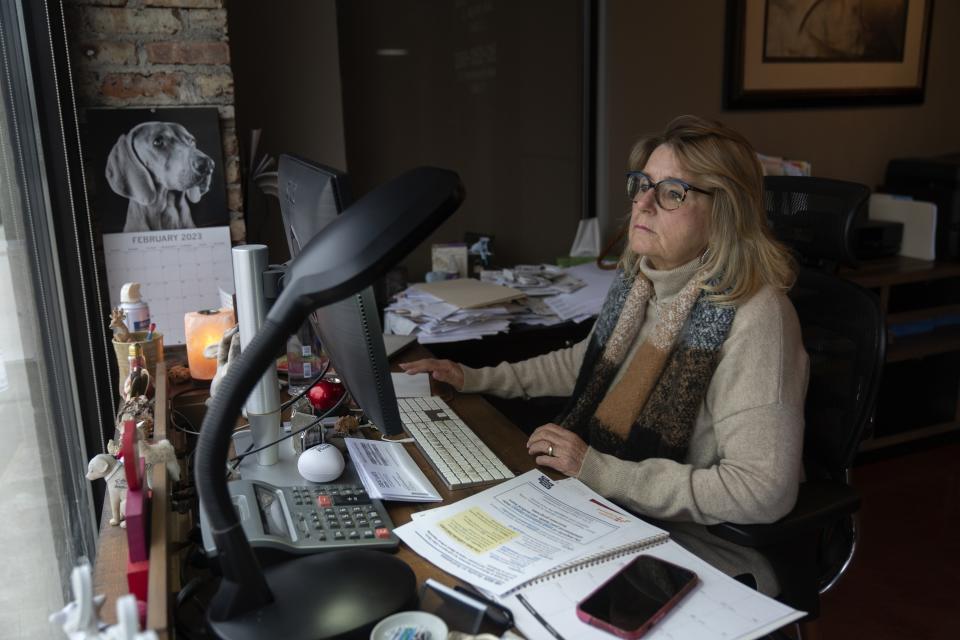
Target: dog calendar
x,y
179,270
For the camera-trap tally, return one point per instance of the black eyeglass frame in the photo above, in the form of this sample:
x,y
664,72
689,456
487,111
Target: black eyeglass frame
x,y
686,186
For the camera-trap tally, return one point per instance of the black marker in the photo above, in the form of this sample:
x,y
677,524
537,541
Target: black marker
x,y
540,619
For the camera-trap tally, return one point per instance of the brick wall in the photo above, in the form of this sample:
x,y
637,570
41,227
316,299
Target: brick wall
x,y
159,53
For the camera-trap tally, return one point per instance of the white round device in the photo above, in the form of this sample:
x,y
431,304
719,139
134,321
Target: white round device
x,y
322,463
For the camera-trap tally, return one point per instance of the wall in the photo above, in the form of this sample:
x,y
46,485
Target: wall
x,y
850,143
287,72
489,88
158,53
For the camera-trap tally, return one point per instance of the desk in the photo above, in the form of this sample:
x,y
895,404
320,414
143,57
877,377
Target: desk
x,y
501,435
169,530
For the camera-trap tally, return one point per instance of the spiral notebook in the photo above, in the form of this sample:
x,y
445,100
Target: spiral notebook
x,y
539,546
526,530
718,607
629,544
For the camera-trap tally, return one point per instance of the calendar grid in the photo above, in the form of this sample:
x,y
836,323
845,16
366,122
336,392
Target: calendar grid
x,y
179,270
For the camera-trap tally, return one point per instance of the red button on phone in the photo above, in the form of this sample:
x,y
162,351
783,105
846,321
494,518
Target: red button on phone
x,y
382,532
324,501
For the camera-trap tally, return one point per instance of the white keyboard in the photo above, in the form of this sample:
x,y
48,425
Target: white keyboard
x,y
455,452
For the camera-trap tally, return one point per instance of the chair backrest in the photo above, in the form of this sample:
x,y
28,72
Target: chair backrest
x,y
845,336
816,217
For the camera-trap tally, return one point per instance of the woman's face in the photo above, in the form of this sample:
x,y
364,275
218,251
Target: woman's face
x,y
669,238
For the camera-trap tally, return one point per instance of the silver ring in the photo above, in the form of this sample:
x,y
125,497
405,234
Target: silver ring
x,y
550,451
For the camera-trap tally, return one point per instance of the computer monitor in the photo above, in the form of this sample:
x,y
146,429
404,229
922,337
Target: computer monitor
x,y
311,196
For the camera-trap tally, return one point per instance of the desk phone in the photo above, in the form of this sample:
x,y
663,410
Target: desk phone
x,y
309,518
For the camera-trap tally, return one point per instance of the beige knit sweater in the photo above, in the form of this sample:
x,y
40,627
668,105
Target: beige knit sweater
x,y
744,461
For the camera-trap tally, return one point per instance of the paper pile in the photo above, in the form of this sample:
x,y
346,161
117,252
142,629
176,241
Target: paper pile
x,y
535,279
554,295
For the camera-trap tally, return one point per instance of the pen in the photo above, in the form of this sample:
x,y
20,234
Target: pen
x,y
540,619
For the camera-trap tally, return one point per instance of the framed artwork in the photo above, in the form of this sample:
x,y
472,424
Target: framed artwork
x,y
156,169
820,53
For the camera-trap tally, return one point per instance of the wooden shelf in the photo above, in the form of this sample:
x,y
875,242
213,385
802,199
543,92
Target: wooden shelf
x,y
110,570
940,340
898,270
909,436
929,313
884,276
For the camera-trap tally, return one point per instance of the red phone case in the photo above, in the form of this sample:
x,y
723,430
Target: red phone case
x,y
633,634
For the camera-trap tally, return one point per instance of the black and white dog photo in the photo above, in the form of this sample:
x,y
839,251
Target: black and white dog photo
x,y
160,170
158,167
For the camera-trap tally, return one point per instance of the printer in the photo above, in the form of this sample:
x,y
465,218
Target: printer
x,y
936,180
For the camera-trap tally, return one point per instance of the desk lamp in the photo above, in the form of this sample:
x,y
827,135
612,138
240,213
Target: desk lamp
x,y
338,593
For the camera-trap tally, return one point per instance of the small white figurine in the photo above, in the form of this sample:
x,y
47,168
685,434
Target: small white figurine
x,y
104,465
481,248
227,351
128,622
160,452
80,619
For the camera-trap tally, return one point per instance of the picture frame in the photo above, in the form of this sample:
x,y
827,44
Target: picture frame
x,y
799,53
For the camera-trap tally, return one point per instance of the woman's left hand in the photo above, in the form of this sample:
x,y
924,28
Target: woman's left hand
x,y
557,448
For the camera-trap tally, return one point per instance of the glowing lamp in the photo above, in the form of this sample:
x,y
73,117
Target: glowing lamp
x,y
203,329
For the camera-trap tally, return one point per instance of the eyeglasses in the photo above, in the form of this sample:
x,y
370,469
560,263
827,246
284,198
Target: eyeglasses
x,y
669,193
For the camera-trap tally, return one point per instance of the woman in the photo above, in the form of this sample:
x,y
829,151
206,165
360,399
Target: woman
x,y
687,397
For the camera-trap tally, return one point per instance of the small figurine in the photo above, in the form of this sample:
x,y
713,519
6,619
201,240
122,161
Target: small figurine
x,y
139,382
80,618
227,351
120,331
104,465
160,452
481,248
140,409
128,622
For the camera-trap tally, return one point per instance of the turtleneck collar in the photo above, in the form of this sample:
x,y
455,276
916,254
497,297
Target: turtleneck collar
x,y
668,283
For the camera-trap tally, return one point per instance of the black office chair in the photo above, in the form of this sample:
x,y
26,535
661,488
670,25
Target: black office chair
x,y
816,217
845,337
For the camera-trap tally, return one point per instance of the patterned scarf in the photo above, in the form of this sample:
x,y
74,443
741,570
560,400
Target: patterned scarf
x,y
651,411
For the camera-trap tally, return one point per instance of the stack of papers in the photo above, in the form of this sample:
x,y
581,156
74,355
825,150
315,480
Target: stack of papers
x,y
433,320
586,302
448,313
535,279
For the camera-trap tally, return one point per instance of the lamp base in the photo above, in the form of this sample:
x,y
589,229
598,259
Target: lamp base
x,y
339,594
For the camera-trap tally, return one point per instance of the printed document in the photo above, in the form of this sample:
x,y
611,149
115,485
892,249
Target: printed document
x,y
521,530
388,472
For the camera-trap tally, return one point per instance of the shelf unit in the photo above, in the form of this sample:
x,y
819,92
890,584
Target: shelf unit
x,y
166,528
920,391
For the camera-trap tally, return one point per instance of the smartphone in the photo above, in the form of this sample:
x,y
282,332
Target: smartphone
x,y
636,597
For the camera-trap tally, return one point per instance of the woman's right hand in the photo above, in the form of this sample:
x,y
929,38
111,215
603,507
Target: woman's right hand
x,y
441,370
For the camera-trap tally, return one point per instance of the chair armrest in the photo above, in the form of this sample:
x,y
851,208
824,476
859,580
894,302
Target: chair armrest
x,y
818,504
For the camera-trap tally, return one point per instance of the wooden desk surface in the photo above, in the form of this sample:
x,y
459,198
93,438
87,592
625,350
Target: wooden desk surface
x,y
502,436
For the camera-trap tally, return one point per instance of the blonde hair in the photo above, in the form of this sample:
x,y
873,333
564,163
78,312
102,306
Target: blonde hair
x,y
742,255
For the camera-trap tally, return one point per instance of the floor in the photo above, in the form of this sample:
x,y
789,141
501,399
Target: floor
x,y
905,579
